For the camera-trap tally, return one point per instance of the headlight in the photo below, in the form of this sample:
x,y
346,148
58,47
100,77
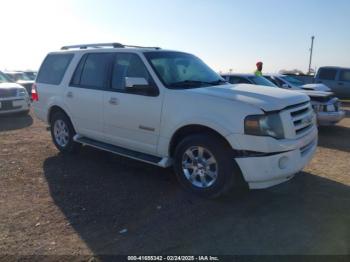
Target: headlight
x,y
22,93
264,125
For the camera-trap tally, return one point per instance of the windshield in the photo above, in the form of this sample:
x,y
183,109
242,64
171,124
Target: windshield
x,y
180,70
4,78
259,80
292,80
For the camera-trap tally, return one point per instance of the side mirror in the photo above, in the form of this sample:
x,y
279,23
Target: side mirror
x,y
139,85
135,82
285,86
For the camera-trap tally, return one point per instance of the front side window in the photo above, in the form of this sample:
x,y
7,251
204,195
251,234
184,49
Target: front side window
x,y
345,75
53,68
95,70
180,70
327,74
128,65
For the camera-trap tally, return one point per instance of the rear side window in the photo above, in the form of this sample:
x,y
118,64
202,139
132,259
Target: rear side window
x,y
345,75
327,74
53,68
92,71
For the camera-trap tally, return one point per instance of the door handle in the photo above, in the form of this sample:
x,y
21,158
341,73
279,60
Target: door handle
x,y
70,94
113,101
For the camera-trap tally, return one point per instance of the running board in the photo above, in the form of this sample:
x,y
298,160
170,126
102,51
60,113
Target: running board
x,y
154,160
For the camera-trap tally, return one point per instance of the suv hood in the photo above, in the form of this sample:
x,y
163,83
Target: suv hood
x,y
264,97
10,85
318,96
318,87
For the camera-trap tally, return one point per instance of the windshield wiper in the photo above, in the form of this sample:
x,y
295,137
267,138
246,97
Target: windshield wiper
x,y
195,83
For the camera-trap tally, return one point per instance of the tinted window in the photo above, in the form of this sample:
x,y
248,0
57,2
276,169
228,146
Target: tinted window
x,y
233,79
128,65
243,81
327,74
53,68
345,75
95,71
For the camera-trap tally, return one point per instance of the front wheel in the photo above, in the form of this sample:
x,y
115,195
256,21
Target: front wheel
x,y
62,133
204,164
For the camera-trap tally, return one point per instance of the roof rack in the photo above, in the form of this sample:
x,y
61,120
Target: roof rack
x,y
100,45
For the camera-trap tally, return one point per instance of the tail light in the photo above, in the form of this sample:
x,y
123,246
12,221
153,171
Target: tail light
x,y
35,95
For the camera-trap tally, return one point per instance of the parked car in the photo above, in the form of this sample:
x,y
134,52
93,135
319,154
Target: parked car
x,y
169,108
21,79
288,81
13,97
326,106
336,78
30,74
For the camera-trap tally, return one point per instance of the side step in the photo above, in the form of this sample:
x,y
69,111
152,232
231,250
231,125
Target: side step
x,y
154,160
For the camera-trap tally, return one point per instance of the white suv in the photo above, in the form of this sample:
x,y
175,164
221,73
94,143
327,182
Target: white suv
x,y
169,108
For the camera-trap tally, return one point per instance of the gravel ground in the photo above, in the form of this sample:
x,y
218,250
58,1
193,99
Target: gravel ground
x,y
97,203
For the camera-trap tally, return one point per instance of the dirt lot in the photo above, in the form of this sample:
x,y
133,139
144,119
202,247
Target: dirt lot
x,y
98,203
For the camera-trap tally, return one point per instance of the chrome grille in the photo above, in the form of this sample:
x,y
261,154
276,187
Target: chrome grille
x,y
8,92
302,116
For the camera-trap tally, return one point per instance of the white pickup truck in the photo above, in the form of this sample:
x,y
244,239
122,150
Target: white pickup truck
x,y
169,108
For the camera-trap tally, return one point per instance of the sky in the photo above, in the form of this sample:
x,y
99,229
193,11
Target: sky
x,y
226,34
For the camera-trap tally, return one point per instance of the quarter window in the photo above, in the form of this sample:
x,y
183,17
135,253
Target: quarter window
x,y
53,68
327,74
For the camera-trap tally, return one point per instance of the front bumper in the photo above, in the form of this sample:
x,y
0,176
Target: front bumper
x,y
14,105
274,168
329,118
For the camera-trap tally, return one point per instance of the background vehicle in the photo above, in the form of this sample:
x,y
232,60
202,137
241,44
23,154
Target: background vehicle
x,y
169,108
30,74
21,79
288,81
326,106
336,78
13,97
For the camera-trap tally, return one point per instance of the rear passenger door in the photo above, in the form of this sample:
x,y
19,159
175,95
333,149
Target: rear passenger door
x,y
344,83
84,95
132,119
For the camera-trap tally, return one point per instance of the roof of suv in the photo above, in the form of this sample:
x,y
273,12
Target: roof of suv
x,y
333,67
110,47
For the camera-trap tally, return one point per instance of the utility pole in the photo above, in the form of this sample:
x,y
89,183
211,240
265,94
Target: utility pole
x,y
311,49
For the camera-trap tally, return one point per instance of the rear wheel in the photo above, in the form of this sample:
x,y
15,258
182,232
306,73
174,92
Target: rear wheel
x,y
204,164
62,133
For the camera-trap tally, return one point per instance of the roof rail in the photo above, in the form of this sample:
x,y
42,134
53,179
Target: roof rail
x,y
100,45
114,45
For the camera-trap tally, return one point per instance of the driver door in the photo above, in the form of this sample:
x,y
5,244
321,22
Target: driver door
x,y
132,118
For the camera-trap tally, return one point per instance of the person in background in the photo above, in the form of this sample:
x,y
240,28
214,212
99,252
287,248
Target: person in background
x,y
259,67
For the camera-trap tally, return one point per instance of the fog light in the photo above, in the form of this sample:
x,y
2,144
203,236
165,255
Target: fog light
x,y
283,162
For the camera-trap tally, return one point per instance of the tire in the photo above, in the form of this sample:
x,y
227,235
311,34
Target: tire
x,y
62,133
224,173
